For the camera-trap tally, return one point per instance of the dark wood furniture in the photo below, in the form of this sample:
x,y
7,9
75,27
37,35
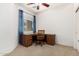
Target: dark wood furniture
x,y
50,39
41,31
28,40
40,37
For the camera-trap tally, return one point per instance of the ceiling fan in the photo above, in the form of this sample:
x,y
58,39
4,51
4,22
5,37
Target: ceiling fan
x,y
77,9
38,6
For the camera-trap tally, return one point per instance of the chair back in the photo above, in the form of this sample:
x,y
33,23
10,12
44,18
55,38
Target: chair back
x,y
41,35
41,31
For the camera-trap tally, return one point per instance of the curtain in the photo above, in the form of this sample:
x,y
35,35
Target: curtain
x,y
34,24
20,27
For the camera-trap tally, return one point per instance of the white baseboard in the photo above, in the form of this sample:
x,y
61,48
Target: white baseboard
x,y
63,44
3,53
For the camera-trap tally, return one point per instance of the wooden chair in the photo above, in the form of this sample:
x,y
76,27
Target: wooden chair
x,y
41,31
40,37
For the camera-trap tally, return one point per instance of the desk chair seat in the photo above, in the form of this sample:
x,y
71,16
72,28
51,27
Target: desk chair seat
x,y
40,39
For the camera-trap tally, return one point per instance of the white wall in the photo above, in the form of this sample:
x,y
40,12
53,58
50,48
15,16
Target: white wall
x,y
59,22
76,41
9,26
77,29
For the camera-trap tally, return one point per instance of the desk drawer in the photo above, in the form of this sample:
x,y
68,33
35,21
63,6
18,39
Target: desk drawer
x,y
28,43
27,37
27,40
50,39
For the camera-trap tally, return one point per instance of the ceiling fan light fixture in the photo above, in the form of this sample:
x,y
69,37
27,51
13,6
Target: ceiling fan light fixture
x,y
38,5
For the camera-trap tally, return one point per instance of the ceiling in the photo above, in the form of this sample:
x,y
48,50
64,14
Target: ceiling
x,y
34,6
43,8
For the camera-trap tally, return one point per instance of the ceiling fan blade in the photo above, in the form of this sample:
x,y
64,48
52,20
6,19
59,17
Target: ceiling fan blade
x,y
30,3
77,9
38,7
45,4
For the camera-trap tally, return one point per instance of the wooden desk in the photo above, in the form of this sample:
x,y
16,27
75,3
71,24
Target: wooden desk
x,y
28,40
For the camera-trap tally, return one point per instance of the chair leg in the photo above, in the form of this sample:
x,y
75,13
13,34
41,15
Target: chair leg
x,y
41,43
44,43
36,44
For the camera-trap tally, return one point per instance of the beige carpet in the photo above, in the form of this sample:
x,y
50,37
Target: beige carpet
x,y
45,50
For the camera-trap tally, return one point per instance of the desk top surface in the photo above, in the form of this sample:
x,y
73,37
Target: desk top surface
x,y
37,34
